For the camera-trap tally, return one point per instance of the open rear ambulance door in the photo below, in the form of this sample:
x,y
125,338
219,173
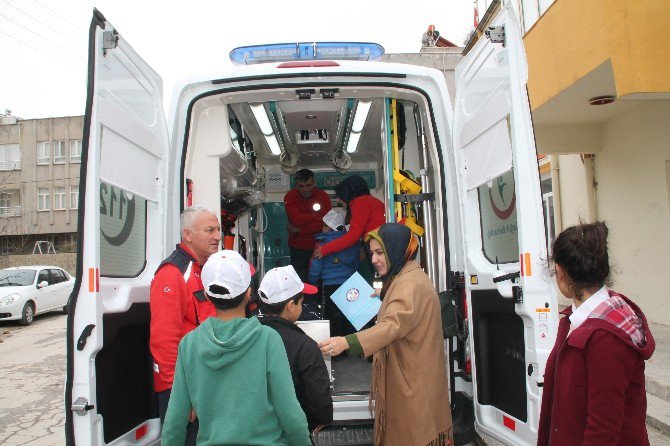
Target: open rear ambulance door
x,y
121,240
511,303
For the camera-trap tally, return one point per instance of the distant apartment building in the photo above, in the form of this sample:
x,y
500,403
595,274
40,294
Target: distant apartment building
x,y
40,161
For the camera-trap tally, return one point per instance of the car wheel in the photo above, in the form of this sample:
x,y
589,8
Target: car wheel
x,y
28,314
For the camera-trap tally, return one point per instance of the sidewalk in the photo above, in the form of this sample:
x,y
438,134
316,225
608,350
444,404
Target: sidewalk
x,y
658,380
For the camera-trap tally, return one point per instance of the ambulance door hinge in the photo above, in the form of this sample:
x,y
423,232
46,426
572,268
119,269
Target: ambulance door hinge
x,y
496,34
81,406
517,294
110,40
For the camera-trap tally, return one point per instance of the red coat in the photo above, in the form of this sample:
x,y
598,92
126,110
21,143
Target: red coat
x,y
594,390
300,212
367,214
177,304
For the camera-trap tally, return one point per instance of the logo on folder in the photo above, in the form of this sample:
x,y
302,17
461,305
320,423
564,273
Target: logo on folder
x,y
354,299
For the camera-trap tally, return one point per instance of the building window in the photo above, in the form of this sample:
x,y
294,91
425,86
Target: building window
x,y
43,199
10,157
43,152
59,152
59,198
74,197
5,204
75,151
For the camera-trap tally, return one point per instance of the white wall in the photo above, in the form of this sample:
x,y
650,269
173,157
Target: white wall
x,y
632,197
576,189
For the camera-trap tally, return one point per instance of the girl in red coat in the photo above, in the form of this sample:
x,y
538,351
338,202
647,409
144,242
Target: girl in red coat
x,y
594,380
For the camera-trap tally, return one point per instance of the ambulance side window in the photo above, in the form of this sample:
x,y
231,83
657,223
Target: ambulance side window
x,y
123,227
497,210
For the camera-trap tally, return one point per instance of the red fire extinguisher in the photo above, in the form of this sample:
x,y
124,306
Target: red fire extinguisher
x,y
228,223
228,238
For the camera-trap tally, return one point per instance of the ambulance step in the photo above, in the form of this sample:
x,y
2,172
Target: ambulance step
x,y
349,435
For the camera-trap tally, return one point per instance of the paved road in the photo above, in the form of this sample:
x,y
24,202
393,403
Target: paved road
x,y
32,377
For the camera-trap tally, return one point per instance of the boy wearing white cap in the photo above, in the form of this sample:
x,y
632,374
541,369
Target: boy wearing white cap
x,y
334,269
281,296
221,360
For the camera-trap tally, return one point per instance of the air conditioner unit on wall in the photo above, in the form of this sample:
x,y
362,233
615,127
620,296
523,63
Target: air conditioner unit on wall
x,y
276,180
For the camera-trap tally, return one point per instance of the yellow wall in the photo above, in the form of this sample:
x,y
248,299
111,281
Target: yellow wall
x,y
575,36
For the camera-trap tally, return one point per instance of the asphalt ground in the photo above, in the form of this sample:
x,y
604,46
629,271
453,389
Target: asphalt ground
x,y
32,378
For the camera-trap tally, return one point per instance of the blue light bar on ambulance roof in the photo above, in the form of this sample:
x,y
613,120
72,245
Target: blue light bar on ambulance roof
x,y
284,52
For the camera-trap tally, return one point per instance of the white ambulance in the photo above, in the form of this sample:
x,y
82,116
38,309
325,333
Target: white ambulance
x,y
464,177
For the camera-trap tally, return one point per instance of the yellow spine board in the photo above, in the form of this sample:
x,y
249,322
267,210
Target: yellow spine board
x,y
402,183
396,156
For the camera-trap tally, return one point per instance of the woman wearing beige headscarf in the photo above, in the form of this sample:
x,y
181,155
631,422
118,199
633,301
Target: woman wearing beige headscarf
x,y
409,378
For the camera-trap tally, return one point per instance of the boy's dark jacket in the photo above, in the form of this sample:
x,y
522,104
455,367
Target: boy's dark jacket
x,y
335,268
310,375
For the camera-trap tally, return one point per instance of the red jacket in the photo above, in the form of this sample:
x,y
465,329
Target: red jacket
x,y
594,390
301,213
178,305
367,214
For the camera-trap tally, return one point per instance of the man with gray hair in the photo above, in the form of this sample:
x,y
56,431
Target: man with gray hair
x,y
177,301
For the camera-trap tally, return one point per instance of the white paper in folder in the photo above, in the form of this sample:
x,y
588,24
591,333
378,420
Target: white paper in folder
x,y
319,331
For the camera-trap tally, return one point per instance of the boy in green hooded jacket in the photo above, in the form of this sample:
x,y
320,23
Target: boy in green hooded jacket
x,y
233,372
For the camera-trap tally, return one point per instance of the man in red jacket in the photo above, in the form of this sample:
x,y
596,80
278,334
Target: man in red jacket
x,y
177,301
305,207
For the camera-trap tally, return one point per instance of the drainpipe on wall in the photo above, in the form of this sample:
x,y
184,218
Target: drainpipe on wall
x,y
592,184
556,189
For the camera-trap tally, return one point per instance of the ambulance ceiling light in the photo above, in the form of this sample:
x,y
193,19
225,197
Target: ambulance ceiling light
x,y
262,119
352,144
362,110
273,144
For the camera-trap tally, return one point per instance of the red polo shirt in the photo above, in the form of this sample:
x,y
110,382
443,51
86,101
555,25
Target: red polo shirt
x,y
300,212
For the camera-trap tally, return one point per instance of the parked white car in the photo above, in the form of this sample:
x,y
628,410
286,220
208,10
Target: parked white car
x,y
26,291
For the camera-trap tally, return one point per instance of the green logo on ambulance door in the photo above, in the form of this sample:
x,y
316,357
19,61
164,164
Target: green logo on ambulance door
x,y
123,232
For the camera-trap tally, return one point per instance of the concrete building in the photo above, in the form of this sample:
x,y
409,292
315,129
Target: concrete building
x,y
40,161
599,88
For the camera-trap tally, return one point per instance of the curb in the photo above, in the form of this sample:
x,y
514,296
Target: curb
x,y
658,413
657,388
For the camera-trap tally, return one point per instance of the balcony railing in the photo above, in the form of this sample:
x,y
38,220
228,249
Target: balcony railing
x,y
10,165
10,211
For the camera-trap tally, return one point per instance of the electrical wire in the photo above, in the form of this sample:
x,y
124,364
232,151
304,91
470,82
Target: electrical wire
x,y
265,220
41,23
69,65
43,38
58,15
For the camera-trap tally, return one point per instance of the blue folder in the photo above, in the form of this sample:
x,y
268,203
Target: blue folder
x,y
353,299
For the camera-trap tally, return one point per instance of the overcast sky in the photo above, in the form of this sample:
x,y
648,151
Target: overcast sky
x,y
43,43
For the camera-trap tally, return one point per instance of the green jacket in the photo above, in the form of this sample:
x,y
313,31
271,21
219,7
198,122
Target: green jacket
x,y
236,377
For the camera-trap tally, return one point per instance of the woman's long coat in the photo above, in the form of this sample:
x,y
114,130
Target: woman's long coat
x,y
409,382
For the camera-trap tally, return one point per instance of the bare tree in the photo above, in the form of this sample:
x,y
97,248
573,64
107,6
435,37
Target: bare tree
x,y
19,235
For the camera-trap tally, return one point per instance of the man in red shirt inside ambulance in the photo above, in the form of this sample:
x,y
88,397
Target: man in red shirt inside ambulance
x,y
305,207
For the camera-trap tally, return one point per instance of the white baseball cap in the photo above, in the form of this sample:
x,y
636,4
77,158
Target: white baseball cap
x,y
280,284
229,270
334,219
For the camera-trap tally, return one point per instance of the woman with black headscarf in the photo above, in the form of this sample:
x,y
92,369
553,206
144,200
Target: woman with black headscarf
x,y
364,213
409,378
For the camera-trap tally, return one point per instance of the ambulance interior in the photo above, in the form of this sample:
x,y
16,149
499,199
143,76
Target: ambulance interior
x,y
261,138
